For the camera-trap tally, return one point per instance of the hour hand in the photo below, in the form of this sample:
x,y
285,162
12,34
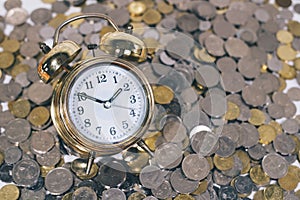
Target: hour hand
x,y
84,95
115,95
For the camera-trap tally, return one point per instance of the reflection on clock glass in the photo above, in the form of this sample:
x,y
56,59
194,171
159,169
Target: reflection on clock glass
x,y
107,103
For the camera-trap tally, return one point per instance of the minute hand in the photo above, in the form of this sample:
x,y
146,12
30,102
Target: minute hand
x,y
82,94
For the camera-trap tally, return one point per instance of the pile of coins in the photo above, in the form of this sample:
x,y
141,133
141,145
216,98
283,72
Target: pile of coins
x,y
225,124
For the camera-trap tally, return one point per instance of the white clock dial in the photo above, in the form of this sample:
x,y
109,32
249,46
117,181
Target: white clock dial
x,y
107,103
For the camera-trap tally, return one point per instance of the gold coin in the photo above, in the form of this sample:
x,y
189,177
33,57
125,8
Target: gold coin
x,y
151,17
163,94
273,192
290,181
93,172
148,3
276,126
184,197
257,117
244,157
164,7
297,63
68,196
151,140
39,116
48,1
294,27
1,158
106,29
233,111
19,68
204,56
286,52
297,142
284,37
223,163
7,59
264,68
152,45
137,8
11,45
210,162
287,72
137,196
202,187
258,176
259,195
45,170
19,108
9,192
57,20
266,134
282,84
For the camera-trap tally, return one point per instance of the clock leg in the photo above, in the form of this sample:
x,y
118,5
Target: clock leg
x,y
144,146
90,162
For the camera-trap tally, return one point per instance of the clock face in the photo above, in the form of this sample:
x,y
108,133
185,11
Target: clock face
x,y
107,103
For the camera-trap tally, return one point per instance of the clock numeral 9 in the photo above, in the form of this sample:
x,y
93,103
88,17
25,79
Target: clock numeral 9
x,y
113,131
80,110
132,99
124,124
87,123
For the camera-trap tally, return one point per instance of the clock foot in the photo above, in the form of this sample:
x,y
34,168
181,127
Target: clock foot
x,y
90,162
144,146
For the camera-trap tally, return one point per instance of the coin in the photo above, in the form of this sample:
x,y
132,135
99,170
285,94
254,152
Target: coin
x,y
195,167
274,166
84,193
39,116
163,191
41,142
58,180
9,192
113,193
151,177
168,155
181,183
26,173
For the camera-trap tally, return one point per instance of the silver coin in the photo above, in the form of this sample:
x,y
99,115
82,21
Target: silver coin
x,y
207,76
58,180
12,155
229,85
174,131
50,158
41,15
214,105
26,173
168,155
221,179
163,191
113,194
290,126
150,198
252,135
195,167
17,130
41,142
16,16
226,147
151,177
284,144
274,166
204,143
40,93
31,194
181,183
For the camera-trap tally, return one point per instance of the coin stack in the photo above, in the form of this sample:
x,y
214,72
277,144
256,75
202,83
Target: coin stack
x,y
225,122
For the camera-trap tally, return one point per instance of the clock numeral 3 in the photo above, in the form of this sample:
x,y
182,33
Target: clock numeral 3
x,y
132,99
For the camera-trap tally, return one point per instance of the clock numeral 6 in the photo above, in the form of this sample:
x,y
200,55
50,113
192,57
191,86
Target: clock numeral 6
x,y
113,131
